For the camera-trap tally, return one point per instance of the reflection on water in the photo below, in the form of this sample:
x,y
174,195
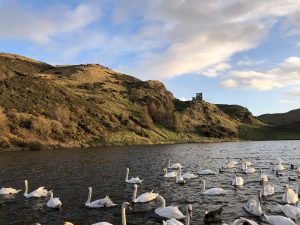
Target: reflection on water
x,y
69,173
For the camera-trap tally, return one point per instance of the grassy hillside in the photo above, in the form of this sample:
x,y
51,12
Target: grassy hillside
x,y
289,118
85,105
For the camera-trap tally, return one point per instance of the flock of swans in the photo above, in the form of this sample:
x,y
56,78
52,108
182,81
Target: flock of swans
x,y
290,199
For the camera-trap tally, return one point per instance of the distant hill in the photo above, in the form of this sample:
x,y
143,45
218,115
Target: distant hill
x,y
289,118
87,105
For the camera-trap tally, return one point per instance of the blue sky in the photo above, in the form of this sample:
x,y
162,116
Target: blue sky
x,y
235,52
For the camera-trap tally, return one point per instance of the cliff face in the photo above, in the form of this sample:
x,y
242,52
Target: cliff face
x,y
86,105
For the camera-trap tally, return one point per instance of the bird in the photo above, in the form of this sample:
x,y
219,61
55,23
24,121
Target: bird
x,y
205,172
253,206
173,166
279,220
170,174
278,167
237,181
292,179
289,196
188,176
133,180
290,210
212,191
168,211
292,166
146,197
213,216
278,174
188,217
179,178
230,164
263,177
267,189
243,221
249,169
104,202
8,191
40,192
53,203
125,205
277,161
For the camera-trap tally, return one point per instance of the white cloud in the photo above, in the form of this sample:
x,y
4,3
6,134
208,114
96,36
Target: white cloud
x,y
215,70
247,62
286,74
183,99
293,93
229,83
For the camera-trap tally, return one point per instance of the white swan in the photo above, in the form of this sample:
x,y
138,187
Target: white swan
x,y
170,174
212,191
263,177
279,220
247,163
8,191
290,211
125,205
205,172
175,166
188,217
253,206
242,221
104,202
40,192
289,196
53,203
146,197
169,211
133,180
237,181
230,164
188,176
278,167
179,178
277,161
249,169
267,189
298,169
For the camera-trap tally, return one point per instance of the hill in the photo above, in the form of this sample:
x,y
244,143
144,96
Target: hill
x,y
290,118
87,105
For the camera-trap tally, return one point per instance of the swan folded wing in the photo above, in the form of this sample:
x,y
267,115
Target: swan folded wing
x,y
146,197
241,221
170,212
40,192
102,223
279,220
54,203
290,211
172,221
8,191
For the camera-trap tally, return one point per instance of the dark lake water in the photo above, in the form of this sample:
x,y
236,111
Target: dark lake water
x,y
69,173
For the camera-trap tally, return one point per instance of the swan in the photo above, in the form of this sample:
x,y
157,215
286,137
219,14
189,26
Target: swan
x,y
247,163
267,189
53,202
213,216
244,221
230,164
133,180
298,169
249,170
188,176
237,181
188,217
205,172
277,161
104,202
290,210
289,196
279,220
263,177
40,192
125,205
253,206
212,191
278,167
68,223
146,197
179,178
170,174
175,166
8,191
169,211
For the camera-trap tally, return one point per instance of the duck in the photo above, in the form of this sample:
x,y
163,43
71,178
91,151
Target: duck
x,y
292,166
253,206
279,220
125,205
205,172
8,191
188,217
213,216
212,191
146,197
104,202
38,193
244,221
53,203
267,189
290,211
170,174
237,181
292,179
169,211
179,178
133,180
278,174
175,166
278,167
289,196
262,177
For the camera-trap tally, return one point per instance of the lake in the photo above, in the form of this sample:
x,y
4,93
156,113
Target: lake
x,y
69,173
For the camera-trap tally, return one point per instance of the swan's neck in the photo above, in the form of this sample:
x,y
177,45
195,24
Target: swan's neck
x,y
127,173
123,215
51,195
26,187
169,163
203,186
180,171
162,200
134,194
89,196
285,194
263,187
187,218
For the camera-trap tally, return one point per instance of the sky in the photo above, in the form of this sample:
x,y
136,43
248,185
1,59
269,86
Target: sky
x,y
235,52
